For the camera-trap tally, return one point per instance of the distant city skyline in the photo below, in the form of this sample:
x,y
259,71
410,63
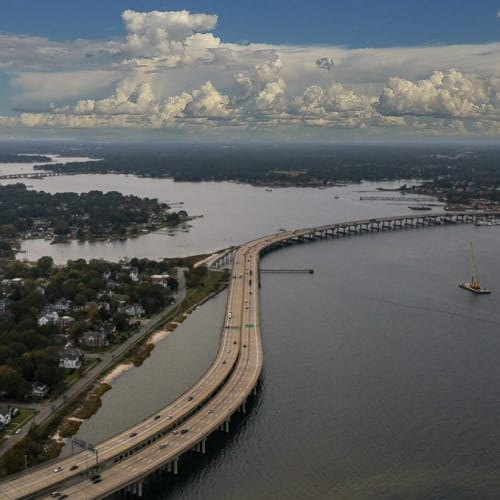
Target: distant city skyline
x,y
278,70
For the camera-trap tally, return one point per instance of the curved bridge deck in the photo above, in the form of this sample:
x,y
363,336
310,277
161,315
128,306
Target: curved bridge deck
x,y
155,445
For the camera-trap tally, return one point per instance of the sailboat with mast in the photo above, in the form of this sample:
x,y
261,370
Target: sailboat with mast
x,y
474,286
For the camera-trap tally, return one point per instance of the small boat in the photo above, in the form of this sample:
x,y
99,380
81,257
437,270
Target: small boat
x,y
473,286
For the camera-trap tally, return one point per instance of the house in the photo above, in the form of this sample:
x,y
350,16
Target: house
x,y
48,319
94,339
134,275
160,279
134,310
64,322
63,305
71,359
5,415
39,390
3,304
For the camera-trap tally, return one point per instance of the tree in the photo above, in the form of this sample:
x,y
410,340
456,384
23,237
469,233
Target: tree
x,y
44,265
12,383
92,311
61,227
6,250
121,322
172,283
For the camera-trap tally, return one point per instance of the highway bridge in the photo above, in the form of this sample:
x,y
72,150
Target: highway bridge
x,y
125,462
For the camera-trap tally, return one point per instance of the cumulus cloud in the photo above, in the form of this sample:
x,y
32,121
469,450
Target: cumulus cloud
x,y
171,71
450,94
169,38
137,101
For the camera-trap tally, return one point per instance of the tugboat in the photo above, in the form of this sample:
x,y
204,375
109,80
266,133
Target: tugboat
x,y
474,285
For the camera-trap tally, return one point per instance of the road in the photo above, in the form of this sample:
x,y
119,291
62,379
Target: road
x,y
46,408
157,442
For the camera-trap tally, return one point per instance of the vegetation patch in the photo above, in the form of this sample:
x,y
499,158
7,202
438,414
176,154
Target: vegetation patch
x,y
142,353
69,427
92,401
37,445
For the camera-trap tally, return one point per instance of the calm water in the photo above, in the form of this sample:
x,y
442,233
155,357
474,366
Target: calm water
x,y
380,376
175,364
232,214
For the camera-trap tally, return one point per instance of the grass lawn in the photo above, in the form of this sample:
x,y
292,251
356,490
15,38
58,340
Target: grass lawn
x,y
25,415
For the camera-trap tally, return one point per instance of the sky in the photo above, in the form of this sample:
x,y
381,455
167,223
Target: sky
x,y
277,70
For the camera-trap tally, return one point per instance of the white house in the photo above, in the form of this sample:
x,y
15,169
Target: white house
x,y
48,319
5,416
160,279
39,390
71,359
135,310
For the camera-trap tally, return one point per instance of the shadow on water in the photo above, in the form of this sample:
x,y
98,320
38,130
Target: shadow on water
x,y
193,463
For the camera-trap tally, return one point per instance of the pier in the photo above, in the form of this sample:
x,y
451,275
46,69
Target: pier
x,y
157,444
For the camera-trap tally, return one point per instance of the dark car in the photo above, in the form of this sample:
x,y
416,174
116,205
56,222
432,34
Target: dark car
x,y
183,431
190,398
133,434
73,467
157,417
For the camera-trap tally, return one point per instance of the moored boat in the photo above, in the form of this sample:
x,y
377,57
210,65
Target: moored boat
x,y
474,286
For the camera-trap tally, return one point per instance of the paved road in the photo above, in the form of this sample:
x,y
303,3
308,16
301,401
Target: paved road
x,y
153,443
46,408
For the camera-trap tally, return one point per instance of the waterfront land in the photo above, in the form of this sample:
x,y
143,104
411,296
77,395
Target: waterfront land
x,y
69,405
25,213
455,173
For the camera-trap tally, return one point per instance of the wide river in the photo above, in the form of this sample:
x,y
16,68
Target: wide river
x,y
380,377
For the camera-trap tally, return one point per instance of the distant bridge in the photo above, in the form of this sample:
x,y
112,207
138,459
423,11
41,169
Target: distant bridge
x,y
154,446
35,175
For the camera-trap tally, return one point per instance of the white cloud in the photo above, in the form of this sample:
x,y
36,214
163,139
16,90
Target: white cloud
x,y
172,71
449,94
170,38
56,86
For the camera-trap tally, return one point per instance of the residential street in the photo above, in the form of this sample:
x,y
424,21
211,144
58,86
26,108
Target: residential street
x,y
46,408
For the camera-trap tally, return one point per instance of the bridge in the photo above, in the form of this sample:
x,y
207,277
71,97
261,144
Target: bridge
x,y
35,175
154,446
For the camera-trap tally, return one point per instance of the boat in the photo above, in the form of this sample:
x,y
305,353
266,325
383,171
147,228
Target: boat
x,y
474,286
488,222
